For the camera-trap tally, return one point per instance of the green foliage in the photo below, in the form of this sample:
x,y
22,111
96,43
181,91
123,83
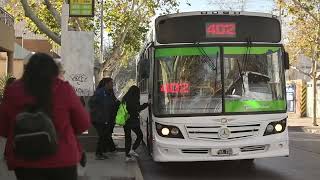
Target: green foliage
x,y
304,18
127,23
15,8
3,81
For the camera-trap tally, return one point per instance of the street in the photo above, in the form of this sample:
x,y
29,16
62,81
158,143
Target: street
x,y
303,163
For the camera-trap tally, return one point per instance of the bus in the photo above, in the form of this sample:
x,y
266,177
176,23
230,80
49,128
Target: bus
x,y
216,84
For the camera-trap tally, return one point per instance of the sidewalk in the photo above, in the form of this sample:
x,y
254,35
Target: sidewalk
x,y
113,168
305,124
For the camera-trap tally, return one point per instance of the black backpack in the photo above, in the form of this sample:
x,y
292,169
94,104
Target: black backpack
x,y
35,136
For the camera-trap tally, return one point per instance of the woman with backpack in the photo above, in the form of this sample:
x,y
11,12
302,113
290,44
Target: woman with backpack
x,y
42,97
132,101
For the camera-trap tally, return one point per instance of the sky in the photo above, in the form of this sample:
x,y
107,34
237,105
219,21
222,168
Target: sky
x,y
265,6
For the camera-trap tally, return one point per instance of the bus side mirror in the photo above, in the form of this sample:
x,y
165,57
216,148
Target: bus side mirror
x,y
286,60
145,68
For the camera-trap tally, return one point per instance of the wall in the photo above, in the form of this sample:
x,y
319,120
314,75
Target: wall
x,y
300,101
6,37
35,45
310,99
17,67
3,63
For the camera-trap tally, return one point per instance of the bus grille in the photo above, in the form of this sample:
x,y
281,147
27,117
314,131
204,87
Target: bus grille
x,y
212,132
195,151
252,148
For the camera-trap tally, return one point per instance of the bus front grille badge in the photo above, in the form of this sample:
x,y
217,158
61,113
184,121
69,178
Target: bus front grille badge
x,y
224,121
224,133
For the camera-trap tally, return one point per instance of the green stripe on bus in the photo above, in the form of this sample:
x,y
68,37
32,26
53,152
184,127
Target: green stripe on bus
x,y
253,106
253,50
186,51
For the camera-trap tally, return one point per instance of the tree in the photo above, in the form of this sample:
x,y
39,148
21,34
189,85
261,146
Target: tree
x,y
304,37
44,17
126,21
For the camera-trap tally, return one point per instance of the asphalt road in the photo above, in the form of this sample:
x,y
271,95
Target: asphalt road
x,y
303,164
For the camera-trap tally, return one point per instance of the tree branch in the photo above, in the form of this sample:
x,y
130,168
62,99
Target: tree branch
x,y
300,71
79,24
53,11
306,10
42,27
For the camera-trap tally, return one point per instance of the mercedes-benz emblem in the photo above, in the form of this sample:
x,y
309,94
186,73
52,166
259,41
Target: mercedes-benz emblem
x,y
224,121
224,133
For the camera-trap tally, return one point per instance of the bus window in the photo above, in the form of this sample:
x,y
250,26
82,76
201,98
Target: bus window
x,y
189,80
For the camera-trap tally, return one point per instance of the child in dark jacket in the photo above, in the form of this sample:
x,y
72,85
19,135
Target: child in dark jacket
x,y
132,100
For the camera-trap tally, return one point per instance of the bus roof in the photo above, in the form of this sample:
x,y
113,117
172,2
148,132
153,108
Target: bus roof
x,y
225,13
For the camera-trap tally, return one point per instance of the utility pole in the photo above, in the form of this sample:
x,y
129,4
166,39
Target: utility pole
x,y
101,35
314,74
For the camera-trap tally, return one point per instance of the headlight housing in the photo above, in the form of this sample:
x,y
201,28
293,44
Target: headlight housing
x,y
168,131
276,127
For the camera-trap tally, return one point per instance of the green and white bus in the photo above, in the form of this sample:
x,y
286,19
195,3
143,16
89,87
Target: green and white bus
x,y
216,82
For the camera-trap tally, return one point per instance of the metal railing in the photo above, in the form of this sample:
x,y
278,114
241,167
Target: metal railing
x,y
6,18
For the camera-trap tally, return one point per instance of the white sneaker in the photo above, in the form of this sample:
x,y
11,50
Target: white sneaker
x,y
130,159
133,153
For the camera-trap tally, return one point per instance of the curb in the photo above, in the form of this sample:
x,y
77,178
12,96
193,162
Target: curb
x,y
311,130
305,129
138,173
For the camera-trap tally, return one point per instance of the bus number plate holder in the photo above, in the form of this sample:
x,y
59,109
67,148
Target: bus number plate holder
x,y
224,152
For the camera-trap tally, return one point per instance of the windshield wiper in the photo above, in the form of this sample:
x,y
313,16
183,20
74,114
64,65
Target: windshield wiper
x,y
208,59
244,63
210,63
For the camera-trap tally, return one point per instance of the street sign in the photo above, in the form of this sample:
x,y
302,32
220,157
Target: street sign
x,y
81,8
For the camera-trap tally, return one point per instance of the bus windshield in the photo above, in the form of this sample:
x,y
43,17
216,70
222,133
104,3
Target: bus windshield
x,y
190,80
253,79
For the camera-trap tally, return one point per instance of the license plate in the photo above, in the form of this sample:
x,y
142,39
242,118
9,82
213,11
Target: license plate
x,y
224,152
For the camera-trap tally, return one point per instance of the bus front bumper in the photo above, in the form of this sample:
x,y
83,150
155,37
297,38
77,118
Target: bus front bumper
x,y
170,150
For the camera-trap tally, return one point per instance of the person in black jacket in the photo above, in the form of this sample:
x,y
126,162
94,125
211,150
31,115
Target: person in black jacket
x,y
132,100
103,108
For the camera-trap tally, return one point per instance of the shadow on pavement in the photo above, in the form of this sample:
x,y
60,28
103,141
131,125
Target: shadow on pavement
x,y
225,170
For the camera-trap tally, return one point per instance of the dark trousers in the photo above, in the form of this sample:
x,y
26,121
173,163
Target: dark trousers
x,y
105,142
65,173
102,138
128,139
110,146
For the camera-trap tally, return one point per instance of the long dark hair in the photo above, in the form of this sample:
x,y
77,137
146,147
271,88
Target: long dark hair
x,y
133,95
38,78
103,82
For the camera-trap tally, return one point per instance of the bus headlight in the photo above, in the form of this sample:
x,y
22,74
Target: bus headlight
x,y
276,127
165,131
168,131
174,131
270,128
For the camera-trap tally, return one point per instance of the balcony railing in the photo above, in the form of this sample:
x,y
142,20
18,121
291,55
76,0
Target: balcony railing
x,y
6,18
